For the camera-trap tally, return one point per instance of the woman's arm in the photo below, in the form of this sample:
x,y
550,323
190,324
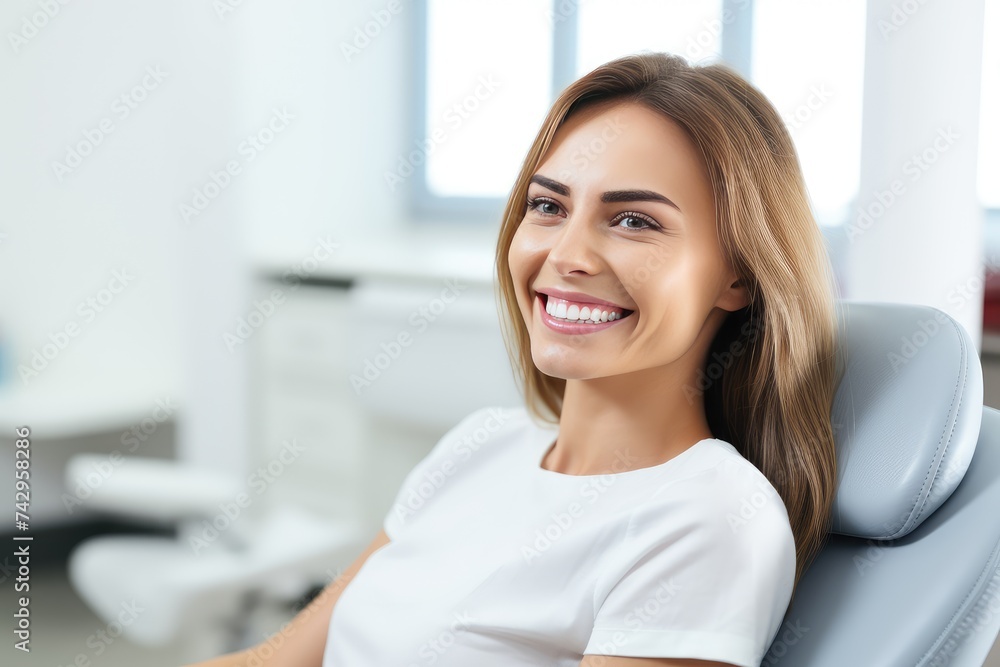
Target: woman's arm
x,y
303,640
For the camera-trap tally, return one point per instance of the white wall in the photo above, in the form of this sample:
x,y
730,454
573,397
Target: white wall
x,y
325,173
119,210
65,238
922,238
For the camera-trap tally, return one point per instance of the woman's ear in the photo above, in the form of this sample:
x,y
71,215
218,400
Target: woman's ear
x,y
735,296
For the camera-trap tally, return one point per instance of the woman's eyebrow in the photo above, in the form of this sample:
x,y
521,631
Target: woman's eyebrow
x,y
608,197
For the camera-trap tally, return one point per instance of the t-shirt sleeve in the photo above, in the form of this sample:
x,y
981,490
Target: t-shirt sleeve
x,y
440,456
704,571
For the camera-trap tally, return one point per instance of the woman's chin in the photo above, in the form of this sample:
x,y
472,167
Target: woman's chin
x,y
558,366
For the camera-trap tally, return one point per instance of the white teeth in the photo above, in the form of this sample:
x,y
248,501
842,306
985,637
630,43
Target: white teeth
x,y
575,313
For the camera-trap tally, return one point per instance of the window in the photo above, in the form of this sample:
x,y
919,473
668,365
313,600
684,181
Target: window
x,y
814,77
483,66
478,66
489,66
989,129
607,29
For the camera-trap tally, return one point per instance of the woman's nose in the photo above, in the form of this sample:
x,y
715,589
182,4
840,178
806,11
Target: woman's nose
x,y
576,244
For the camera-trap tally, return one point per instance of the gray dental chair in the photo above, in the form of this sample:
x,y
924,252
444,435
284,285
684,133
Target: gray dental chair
x,y
910,575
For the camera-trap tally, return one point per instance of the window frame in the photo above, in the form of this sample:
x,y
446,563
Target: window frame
x,y
425,206
736,42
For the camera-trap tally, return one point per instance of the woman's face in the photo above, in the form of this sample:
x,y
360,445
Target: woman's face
x,y
621,212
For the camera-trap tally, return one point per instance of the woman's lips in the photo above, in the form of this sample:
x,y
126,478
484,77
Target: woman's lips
x,y
562,326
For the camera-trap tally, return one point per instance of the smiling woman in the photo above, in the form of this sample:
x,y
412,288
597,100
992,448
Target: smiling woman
x,y
668,306
693,224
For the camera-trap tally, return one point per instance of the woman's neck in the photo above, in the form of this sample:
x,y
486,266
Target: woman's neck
x,y
607,423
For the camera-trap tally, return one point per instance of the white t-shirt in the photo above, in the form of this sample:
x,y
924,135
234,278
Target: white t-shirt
x,y
496,562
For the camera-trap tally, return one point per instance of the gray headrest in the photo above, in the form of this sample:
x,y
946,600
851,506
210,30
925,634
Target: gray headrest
x,y
906,416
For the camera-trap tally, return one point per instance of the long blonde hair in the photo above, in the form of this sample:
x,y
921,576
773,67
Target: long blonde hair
x,y
772,400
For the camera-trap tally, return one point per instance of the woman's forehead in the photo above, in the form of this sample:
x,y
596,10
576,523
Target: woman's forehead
x,y
627,146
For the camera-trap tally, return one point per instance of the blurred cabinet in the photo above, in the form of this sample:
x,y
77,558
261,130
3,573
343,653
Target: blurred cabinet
x,y
364,376
308,429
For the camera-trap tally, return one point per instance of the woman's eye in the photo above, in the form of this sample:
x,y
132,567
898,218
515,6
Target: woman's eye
x,y
547,207
645,224
537,204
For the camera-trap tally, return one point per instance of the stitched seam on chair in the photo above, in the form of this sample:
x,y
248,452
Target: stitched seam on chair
x,y
953,629
949,432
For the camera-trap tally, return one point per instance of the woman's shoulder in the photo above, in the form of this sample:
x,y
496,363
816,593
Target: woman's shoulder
x,y
475,432
492,422
493,418
722,466
724,487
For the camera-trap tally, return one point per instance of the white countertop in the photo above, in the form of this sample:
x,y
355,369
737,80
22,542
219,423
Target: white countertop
x,y
421,252
55,411
424,252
